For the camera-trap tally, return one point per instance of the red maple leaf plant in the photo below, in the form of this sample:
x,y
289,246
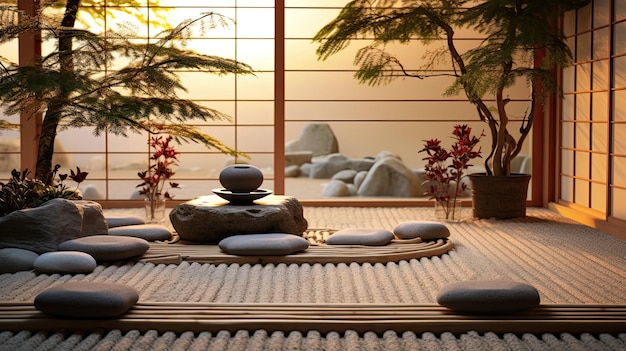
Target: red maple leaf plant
x,y
445,169
159,171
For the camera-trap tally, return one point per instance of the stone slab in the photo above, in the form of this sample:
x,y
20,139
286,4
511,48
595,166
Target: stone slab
x,y
427,230
83,299
120,220
65,262
360,236
107,247
150,232
488,296
209,219
272,244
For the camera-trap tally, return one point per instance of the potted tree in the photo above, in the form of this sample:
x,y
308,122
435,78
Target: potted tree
x,y
521,44
68,86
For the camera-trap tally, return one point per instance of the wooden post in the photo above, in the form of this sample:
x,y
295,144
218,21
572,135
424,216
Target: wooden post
x,y
30,121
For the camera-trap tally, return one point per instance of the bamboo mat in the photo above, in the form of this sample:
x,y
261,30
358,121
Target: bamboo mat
x,y
202,317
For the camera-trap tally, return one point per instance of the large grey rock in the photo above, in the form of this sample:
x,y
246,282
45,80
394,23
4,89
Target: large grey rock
x,y
84,299
328,166
488,296
318,138
16,260
209,219
390,177
272,244
42,228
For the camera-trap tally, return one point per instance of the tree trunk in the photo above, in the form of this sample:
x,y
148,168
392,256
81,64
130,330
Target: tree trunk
x,y
53,115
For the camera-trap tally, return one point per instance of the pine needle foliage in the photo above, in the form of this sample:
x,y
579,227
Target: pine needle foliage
x,y
514,32
77,85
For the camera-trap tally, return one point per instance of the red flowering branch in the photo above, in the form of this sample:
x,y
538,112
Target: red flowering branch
x,y
159,171
445,169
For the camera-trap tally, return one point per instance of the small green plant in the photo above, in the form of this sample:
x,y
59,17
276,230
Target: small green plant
x,y
21,192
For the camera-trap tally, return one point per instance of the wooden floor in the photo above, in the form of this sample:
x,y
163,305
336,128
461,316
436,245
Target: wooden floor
x,y
378,318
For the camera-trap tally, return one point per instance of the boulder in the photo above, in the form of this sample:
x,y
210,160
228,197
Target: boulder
x,y
318,138
390,177
272,244
42,229
336,188
83,299
16,260
209,219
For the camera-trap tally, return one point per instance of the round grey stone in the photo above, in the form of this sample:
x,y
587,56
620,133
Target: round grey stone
x,y
83,299
488,296
65,262
150,232
272,244
107,247
360,236
426,230
16,260
120,220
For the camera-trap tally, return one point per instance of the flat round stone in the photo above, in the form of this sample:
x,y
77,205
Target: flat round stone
x,y
16,260
360,236
107,247
83,299
488,296
272,244
426,230
119,220
65,262
150,232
